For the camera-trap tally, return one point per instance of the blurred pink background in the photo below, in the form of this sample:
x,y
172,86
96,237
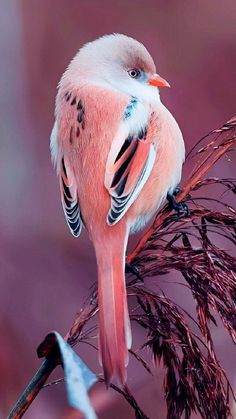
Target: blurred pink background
x,y
45,272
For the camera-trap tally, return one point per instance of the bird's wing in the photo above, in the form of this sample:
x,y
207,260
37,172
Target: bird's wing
x,y
68,188
69,199
129,164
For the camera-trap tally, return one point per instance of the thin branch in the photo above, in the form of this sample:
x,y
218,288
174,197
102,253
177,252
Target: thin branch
x,y
32,389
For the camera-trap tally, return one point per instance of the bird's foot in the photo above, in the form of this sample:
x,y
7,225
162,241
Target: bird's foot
x,y
176,191
132,269
180,207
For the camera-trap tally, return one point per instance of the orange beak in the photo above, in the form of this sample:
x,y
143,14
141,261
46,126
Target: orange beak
x,y
158,81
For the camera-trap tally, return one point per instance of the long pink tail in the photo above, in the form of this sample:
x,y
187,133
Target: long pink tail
x,y
114,323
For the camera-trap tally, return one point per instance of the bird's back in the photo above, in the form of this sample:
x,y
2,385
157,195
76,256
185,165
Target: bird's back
x,y
87,143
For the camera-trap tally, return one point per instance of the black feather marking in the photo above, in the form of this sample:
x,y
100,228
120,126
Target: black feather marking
x,y
124,147
73,224
119,208
79,105
75,227
72,210
66,200
63,167
124,166
120,188
68,97
72,213
66,189
114,214
110,220
73,102
142,133
71,135
121,200
80,116
119,203
70,205
77,132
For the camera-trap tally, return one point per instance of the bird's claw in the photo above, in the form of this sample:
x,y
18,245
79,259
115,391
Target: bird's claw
x,y
176,191
179,207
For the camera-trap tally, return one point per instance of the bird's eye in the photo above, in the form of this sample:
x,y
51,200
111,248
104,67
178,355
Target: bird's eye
x,y
134,73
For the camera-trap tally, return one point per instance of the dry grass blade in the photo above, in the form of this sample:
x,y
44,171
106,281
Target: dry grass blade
x,y
209,271
85,314
126,393
194,380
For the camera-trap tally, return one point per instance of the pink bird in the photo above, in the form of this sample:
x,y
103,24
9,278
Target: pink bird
x,y
118,153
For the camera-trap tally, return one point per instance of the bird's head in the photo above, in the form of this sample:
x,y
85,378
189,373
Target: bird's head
x,y
119,62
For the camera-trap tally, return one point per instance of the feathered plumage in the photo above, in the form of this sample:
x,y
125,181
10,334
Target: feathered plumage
x,y
118,151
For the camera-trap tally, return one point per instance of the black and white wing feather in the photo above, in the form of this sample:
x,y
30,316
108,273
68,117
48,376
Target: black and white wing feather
x,y
129,164
69,198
